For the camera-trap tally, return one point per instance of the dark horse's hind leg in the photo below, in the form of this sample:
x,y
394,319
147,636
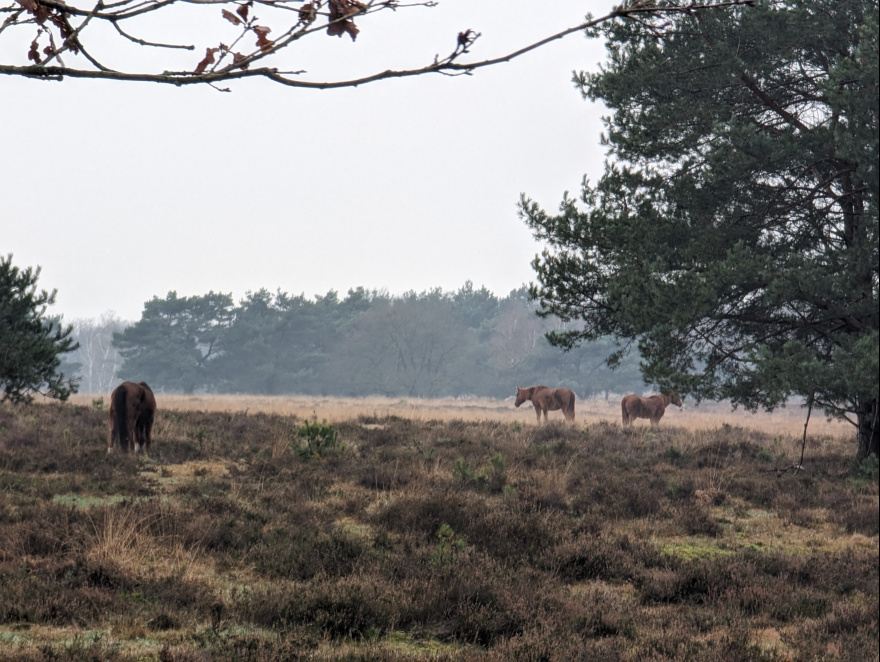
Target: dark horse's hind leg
x,y
145,426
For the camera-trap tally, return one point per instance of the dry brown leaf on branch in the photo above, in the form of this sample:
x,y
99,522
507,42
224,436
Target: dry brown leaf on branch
x,y
263,41
308,13
237,60
243,11
232,18
466,38
32,6
39,11
34,52
340,21
208,59
66,30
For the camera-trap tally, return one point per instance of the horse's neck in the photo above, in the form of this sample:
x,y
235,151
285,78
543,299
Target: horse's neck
x,y
666,399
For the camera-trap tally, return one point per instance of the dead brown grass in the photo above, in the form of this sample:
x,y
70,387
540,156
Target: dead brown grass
x,y
786,421
430,538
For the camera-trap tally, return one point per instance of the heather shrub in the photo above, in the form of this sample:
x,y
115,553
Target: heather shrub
x,y
446,540
858,515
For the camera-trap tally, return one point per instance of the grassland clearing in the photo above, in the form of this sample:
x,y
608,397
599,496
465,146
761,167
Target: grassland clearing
x,y
455,530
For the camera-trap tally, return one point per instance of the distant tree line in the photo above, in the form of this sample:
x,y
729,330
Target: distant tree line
x,y
426,344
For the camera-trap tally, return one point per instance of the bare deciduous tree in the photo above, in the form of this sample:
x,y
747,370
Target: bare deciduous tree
x,y
97,357
516,335
54,39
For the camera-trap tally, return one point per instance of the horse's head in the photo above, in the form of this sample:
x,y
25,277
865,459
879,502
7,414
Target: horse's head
x,y
675,399
522,394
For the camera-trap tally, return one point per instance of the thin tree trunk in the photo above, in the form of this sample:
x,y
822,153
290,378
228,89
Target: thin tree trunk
x,y
868,432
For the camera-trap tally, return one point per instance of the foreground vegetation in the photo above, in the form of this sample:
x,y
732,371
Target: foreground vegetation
x,y
263,536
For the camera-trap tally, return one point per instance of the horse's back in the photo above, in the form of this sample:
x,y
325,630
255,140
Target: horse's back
x,y
559,398
541,394
563,395
631,403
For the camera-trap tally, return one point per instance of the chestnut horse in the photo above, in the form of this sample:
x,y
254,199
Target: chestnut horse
x,y
635,406
547,399
132,408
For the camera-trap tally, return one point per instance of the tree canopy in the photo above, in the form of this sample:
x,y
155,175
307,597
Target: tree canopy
x,y
432,343
31,344
175,339
734,233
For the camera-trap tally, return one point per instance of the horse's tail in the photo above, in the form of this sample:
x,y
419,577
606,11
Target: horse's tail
x,y
571,399
623,411
121,423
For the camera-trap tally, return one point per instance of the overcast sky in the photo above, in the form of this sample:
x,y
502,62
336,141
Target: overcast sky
x,y
125,191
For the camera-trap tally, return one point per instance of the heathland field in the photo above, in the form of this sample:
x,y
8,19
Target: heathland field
x,y
376,529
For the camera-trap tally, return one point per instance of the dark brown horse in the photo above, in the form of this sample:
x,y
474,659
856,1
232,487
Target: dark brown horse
x,y
635,406
547,399
132,408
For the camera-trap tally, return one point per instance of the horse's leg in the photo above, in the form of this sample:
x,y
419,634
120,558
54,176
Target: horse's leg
x,y
537,411
110,435
132,430
143,437
148,429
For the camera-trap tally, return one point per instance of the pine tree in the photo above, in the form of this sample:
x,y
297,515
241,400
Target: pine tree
x,y
31,345
176,341
734,233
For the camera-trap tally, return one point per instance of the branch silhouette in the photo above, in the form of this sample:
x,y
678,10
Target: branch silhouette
x,y
63,30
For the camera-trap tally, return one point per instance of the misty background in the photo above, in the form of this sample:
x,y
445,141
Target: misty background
x,y
125,191
434,343
344,227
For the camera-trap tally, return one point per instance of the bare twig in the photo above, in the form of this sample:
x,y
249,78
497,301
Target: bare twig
x,y
797,468
300,18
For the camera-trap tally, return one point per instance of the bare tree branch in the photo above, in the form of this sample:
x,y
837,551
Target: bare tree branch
x,y
67,29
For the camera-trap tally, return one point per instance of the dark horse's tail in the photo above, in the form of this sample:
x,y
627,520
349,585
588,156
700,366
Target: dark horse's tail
x,y
121,422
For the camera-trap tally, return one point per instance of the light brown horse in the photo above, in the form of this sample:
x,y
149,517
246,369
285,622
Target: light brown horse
x,y
547,399
635,406
132,408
